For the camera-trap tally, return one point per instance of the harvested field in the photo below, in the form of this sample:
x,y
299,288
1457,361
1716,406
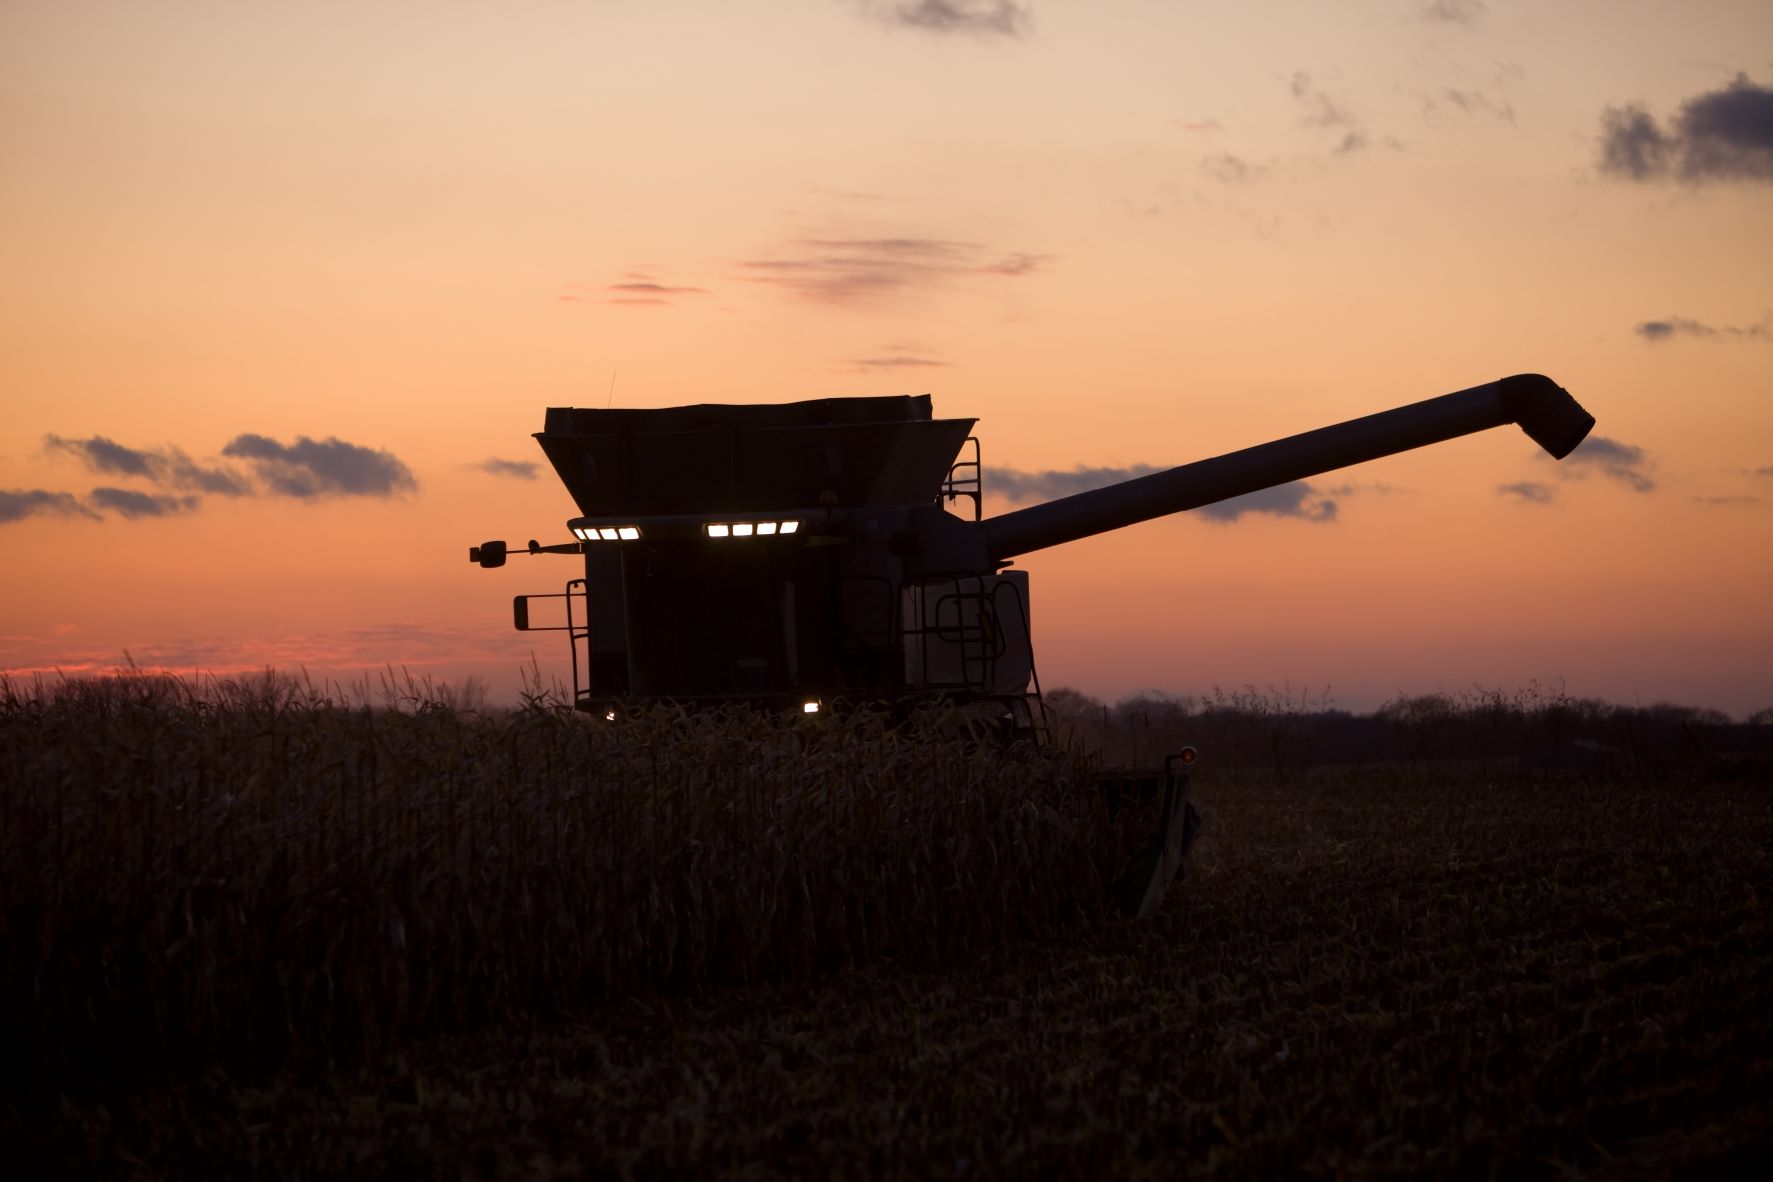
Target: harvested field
x,y
1402,971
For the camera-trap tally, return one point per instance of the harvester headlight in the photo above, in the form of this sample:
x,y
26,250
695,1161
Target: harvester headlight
x,y
581,534
809,707
629,533
750,529
607,533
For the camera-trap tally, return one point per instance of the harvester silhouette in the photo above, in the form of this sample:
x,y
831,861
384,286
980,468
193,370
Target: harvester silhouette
x,y
802,554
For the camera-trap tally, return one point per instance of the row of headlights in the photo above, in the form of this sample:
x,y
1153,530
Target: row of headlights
x,y
747,529
714,529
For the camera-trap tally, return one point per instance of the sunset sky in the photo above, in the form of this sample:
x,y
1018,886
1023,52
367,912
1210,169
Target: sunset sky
x,y
288,286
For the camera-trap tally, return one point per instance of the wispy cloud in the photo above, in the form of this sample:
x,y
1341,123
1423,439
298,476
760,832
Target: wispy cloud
x,y
1618,461
304,469
1530,491
1231,170
129,503
1319,109
1019,486
515,469
1720,135
863,195
1451,12
105,455
168,467
898,357
1737,499
19,503
1198,126
655,289
1655,331
981,18
309,468
1472,103
857,270
1294,499
633,288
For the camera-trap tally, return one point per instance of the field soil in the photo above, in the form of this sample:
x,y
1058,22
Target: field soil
x,y
1400,972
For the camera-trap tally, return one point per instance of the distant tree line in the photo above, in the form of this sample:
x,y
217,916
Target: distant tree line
x,y
1528,731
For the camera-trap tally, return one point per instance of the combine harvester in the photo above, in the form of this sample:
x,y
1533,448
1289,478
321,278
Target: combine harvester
x,y
804,553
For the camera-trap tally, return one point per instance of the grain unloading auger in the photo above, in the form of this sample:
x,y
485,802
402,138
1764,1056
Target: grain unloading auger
x,y
801,553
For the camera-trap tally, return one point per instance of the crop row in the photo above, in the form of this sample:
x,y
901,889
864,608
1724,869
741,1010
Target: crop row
x,y
258,874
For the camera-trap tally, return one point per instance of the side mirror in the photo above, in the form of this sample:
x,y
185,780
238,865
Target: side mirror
x,y
488,554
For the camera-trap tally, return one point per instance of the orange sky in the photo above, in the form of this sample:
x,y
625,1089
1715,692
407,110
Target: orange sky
x,y
1119,233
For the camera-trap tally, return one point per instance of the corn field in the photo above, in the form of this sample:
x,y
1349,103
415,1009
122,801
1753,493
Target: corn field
x,y
260,873
265,930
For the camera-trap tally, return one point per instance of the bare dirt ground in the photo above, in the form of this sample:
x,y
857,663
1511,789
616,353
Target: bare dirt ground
x,y
1391,974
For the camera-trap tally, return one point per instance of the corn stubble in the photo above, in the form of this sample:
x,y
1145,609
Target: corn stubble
x,y
254,874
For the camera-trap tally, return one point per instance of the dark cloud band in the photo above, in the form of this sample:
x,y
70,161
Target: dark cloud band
x,y
1721,135
19,503
168,467
1618,461
1294,499
129,503
312,468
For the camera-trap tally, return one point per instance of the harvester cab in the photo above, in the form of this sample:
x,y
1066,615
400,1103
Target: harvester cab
x,y
798,553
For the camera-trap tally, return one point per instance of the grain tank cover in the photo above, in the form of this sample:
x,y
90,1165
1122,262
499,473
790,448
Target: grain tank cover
x,y
719,458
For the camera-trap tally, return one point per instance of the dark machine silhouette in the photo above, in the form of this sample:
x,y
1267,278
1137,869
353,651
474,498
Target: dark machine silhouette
x,y
802,553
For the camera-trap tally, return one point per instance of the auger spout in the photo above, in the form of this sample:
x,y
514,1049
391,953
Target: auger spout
x,y
1542,408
